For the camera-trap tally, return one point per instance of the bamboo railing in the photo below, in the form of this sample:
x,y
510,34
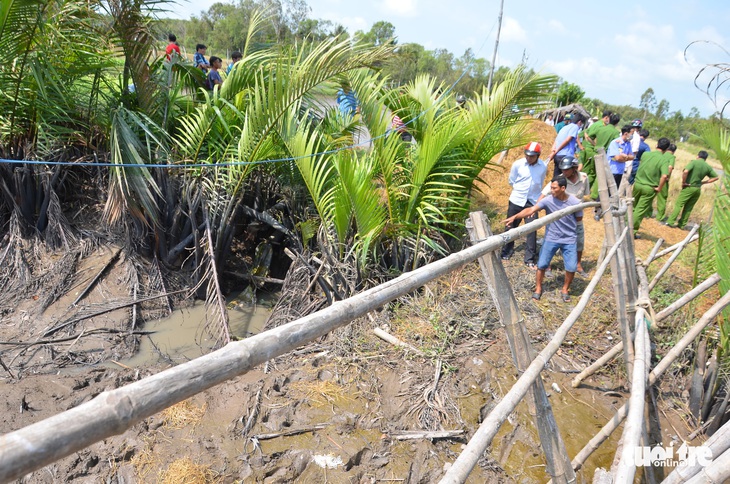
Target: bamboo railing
x,y
115,411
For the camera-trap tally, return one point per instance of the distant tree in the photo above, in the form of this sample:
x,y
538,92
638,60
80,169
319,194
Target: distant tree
x,y
694,113
380,33
569,93
647,102
662,109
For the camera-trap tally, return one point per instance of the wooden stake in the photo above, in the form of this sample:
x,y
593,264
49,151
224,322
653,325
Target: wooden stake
x,y
481,439
556,456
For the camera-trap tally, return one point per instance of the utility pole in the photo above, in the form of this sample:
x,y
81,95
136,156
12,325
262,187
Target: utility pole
x,y
496,46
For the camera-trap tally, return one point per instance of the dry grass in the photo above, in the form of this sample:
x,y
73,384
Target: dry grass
x,y
185,471
144,462
321,392
183,414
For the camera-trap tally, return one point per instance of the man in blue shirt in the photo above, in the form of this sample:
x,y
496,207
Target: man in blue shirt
x,y
619,152
199,58
526,178
347,102
643,147
566,142
559,235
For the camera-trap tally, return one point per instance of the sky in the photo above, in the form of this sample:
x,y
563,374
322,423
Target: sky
x,y
614,51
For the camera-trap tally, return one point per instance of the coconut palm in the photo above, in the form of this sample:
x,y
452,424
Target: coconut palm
x,y
400,203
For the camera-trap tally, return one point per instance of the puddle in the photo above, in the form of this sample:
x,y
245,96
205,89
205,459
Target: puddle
x,y
181,337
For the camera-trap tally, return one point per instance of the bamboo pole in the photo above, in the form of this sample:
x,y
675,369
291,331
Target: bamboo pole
x,y
669,250
633,429
656,373
609,198
461,468
718,443
653,253
661,315
674,256
115,411
715,473
556,456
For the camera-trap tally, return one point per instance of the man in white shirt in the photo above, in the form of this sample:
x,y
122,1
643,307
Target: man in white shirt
x,y
526,178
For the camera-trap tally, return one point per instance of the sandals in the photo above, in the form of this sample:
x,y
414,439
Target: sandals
x,y
565,296
536,296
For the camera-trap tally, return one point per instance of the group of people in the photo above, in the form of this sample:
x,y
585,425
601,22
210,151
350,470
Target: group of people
x,y
573,180
211,68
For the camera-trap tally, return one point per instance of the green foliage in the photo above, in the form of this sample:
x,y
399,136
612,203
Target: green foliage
x,y
569,94
717,136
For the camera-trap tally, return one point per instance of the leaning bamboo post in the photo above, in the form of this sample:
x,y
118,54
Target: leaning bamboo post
x,y
656,373
461,468
653,253
669,250
556,456
718,443
617,275
115,411
660,316
633,429
674,256
717,472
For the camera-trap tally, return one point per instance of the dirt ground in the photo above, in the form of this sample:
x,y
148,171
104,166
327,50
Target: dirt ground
x,y
341,410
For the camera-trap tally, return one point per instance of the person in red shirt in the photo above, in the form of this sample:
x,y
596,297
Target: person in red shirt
x,y
172,46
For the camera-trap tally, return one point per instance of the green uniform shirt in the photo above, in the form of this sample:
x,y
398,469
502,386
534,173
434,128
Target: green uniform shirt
x,y
653,165
697,171
672,159
591,133
605,135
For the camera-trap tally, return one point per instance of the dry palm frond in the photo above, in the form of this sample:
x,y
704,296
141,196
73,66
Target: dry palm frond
x,y
216,324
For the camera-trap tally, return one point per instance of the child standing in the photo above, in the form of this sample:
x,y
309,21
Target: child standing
x,y
214,77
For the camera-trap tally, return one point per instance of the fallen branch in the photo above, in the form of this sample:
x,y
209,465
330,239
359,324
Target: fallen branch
x,y
385,336
288,433
253,278
75,336
108,310
96,278
417,435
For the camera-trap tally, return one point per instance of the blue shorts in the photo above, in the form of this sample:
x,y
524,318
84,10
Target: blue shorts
x,y
548,250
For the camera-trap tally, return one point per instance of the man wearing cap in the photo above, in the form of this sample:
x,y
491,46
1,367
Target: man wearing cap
x,y
526,178
651,176
566,142
559,235
562,123
579,186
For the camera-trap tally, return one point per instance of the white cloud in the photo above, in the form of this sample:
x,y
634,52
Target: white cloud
x,y
706,33
512,31
352,24
399,8
556,27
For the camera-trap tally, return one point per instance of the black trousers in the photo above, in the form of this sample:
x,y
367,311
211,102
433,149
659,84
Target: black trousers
x,y
531,243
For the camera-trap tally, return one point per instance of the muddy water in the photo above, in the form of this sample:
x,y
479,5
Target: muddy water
x,y
180,336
